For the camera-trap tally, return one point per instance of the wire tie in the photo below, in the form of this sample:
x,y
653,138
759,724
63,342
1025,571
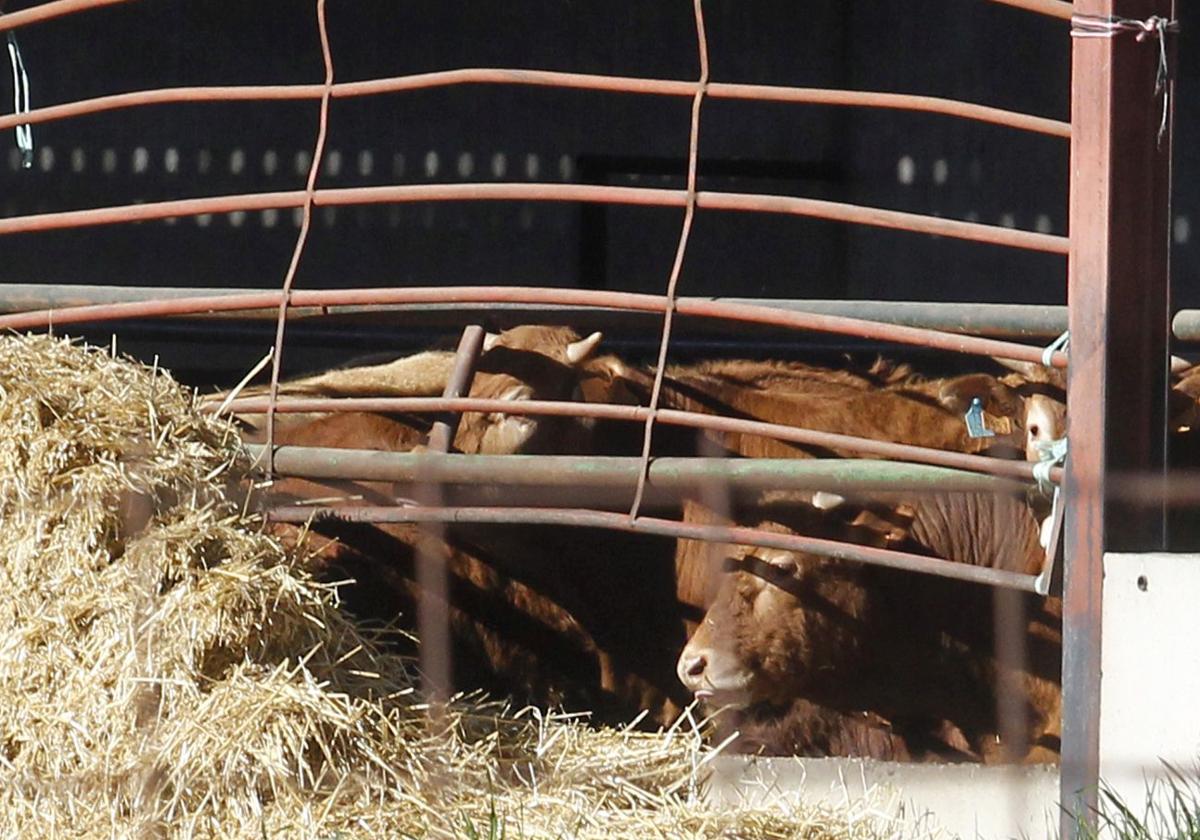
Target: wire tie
x,y
1050,454
1059,344
21,100
1095,26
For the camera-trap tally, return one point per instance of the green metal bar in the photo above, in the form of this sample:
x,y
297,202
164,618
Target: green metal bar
x,y
678,475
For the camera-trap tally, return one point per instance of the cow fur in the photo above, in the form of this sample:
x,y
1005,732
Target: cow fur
x,y
818,656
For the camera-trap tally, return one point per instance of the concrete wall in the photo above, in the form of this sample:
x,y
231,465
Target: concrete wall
x,y
1149,698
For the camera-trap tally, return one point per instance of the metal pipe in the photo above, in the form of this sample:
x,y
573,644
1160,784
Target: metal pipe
x,y
1185,326
441,435
744,313
1018,470
585,193
679,475
545,78
1118,283
1051,8
49,11
994,320
667,528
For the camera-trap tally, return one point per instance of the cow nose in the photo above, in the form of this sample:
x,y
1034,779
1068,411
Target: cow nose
x,y
691,669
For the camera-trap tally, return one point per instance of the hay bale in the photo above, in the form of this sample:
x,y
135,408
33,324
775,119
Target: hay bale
x,y
168,668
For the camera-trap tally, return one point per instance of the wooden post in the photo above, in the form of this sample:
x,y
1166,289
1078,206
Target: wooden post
x,y
1119,308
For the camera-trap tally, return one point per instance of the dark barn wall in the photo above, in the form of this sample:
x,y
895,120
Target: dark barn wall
x,y
968,50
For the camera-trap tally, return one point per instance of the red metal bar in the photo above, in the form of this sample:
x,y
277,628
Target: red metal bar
x,y
49,11
545,78
1051,8
585,193
827,440
689,214
433,579
665,528
1013,321
1118,295
742,312
459,385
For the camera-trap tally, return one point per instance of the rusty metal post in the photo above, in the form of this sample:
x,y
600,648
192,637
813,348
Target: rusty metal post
x,y
433,602
1118,297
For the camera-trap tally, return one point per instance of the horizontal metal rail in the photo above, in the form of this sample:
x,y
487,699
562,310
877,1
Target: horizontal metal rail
x,y
545,78
585,193
1051,8
732,535
49,11
745,313
682,475
994,320
1018,470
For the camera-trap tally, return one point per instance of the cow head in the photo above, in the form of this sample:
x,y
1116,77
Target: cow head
x,y
1031,402
779,620
528,363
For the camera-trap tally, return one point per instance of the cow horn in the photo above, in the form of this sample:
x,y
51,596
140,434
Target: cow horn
x,y
489,340
1027,369
577,351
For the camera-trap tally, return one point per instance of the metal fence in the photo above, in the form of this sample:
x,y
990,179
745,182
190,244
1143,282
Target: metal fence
x,y
1119,221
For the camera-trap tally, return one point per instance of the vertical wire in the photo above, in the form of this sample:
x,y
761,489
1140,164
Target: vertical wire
x,y
688,215
302,238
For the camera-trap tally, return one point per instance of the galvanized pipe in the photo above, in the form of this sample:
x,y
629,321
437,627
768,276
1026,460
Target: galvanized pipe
x,y
744,313
1017,470
679,475
994,320
732,535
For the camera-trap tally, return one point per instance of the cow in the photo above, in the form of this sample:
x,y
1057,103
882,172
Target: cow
x,y
817,656
525,362
1026,408
523,623
884,402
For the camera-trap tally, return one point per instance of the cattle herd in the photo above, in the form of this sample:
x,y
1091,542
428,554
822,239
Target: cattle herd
x,y
793,653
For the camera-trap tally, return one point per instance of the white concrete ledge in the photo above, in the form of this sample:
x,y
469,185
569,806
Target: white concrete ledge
x,y
965,801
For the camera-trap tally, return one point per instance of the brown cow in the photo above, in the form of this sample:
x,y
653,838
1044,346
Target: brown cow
x,y
526,362
518,619
523,623
887,403
883,402
818,656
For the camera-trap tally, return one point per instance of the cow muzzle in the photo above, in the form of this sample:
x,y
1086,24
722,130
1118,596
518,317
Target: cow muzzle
x,y
714,676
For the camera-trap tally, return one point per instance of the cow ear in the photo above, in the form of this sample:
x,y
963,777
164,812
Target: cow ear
x,y
489,340
956,394
577,351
